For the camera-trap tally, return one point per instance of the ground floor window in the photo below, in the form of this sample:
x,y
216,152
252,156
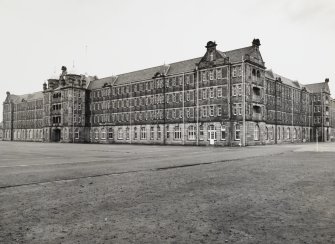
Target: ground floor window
x,y
288,133
201,132
143,133
177,132
266,133
135,133
159,133
120,134
96,134
256,133
152,133
76,133
278,133
191,132
103,134
237,132
127,133
167,131
110,133
223,132
65,133
211,132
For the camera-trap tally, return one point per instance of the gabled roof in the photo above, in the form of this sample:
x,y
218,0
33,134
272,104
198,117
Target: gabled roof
x,y
94,84
26,97
318,87
270,74
237,54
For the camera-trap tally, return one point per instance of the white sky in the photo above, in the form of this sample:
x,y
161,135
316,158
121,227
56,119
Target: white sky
x,y
37,37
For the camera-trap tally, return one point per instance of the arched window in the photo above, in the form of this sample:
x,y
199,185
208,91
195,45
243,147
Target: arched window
x,y
191,132
96,134
110,133
223,132
103,134
258,74
256,132
76,133
120,134
177,132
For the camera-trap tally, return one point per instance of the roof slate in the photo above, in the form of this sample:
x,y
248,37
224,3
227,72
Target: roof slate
x,y
287,81
26,97
317,87
173,68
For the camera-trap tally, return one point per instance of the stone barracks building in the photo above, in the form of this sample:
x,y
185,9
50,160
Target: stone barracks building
x,y
225,98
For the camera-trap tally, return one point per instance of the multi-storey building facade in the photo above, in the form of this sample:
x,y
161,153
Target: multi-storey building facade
x,y
222,98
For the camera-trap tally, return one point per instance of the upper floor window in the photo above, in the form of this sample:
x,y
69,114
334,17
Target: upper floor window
x,y
211,75
234,71
218,74
204,76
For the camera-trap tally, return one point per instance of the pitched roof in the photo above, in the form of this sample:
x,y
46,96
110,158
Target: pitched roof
x,y
237,54
183,66
93,84
26,97
173,68
270,74
317,87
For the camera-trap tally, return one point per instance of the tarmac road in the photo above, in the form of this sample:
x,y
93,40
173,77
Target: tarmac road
x,y
87,193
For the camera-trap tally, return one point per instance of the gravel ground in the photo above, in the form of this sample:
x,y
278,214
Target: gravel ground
x,y
148,194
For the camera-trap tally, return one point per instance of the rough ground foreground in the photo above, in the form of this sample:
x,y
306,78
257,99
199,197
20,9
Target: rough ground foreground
x,y
64,193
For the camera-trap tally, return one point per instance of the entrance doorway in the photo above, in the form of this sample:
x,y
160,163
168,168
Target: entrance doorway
x,y
211,134
56,136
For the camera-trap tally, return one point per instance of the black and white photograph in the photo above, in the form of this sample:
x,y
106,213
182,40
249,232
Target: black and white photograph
x,y
153,121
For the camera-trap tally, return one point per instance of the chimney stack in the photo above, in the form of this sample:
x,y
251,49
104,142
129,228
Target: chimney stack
x,y
327,80
256,43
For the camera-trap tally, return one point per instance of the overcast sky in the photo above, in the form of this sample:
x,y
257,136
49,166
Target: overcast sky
x,y
111,37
